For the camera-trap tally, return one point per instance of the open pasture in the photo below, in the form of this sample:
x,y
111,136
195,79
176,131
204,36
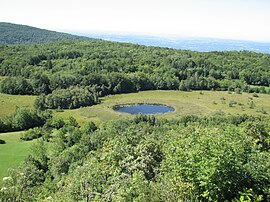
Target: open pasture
x,y
184,103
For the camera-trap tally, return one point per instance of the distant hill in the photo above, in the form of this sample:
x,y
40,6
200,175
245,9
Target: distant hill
x,y
20,34
197,44
23,34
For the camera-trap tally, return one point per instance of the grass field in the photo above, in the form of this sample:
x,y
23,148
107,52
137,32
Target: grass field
x,y
13,152
8,103
185,103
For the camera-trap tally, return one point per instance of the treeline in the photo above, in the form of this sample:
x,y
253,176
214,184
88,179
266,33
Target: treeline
x,y
213,158
111,68
20,34
70,98
23,119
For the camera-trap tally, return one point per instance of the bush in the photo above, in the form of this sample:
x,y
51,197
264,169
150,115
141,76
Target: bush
x,y
237,90
232,103
262,110
255,95
32,134
89,127
16,86
70,98
251,104
2,141
26,118
23,119
222,98
56,122
5,125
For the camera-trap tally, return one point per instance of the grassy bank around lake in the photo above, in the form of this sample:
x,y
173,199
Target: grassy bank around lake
x,y
185,103
13,152
9,103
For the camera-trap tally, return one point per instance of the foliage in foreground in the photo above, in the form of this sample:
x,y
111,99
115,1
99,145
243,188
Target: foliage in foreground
x,y
215,158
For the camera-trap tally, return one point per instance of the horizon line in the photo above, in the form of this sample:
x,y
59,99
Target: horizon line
x,y
141,34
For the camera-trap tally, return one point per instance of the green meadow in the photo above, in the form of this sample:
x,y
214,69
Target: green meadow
x,y
15,150
184,103
12,152
9,103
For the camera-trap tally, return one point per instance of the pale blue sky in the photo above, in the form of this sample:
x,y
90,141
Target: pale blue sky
x,y
230,19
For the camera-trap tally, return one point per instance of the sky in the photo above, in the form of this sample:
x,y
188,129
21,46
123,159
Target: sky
x,y
226,19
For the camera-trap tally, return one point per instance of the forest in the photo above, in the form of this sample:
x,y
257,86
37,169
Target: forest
x,y
95,68
219,157
192,158
20,34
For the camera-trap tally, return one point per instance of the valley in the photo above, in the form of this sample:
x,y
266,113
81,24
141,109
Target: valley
x,y
185,103
62,140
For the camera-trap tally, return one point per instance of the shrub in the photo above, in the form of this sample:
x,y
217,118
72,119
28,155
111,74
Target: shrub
x,y
5,125
32,134
2,141
262,110
251,105
255,95
70,98
222,98
237,90
25,119
232,103
89,127
16,86
56,122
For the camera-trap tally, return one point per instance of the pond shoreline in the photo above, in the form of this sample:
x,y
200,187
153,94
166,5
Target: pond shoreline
x,y
143,108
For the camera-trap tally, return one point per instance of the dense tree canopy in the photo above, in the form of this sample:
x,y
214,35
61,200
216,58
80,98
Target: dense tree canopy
x,y
23,119
215,158
189,159
70,98
20,34
110,68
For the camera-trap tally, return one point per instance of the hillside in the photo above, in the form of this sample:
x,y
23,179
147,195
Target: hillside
x,y
22,34
186,43
214,147
216,158
114,68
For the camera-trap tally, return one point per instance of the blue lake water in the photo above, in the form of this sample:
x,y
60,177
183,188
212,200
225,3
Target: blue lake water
x,y
144,109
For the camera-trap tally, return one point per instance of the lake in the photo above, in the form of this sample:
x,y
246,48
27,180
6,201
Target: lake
x,y
144,109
